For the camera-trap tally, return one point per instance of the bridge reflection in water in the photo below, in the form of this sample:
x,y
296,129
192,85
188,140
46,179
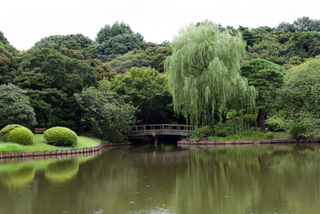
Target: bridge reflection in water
x,y
161,129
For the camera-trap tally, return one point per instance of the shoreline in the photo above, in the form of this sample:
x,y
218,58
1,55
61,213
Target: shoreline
x,y
36,155
244,142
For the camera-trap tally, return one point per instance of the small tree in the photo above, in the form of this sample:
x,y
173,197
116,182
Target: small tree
x,y
15,107
266,77
105,112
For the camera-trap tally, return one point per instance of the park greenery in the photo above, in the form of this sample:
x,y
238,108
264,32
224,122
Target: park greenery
x,y
209,75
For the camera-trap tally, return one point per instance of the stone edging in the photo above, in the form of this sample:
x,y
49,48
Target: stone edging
x,y
255,142
67,152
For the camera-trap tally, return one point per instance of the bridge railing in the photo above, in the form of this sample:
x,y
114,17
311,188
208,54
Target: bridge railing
x,y
149,127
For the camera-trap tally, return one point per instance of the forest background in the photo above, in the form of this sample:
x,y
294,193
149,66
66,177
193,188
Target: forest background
x,y
119,79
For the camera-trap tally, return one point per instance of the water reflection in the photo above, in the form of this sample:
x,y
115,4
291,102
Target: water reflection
x,y
167,179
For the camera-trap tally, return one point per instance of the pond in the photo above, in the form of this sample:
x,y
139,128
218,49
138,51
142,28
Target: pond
x,y
167,179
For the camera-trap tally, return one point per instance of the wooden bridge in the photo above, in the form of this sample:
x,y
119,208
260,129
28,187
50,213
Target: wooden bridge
x,y
161,129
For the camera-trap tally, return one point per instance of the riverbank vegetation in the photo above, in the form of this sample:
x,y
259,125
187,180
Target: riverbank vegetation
x,y
225,78
40,144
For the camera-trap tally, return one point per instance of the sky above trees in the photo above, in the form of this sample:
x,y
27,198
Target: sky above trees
x,y
26,22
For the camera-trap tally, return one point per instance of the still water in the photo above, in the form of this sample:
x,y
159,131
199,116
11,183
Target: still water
x,y
167,179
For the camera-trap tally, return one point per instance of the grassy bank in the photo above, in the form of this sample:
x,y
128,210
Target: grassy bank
x,y
249,135
41,145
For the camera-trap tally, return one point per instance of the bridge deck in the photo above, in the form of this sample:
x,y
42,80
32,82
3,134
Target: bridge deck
x,y
161,129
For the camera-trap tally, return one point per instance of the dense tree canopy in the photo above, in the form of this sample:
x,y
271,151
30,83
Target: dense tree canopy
x,y
147,89
105,112
78,42
8,64
51,79
203,73
116,45
15,107
300,99
300,25
266,77
107,32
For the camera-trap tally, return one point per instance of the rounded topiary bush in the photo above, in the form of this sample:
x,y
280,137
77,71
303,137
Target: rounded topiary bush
x,y
20,135
61,136
5,131
17,134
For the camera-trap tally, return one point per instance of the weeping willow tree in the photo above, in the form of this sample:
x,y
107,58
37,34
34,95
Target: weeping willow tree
x,y
203,73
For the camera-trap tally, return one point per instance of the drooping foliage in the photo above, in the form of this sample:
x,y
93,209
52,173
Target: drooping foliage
x,y
51,79
203,73
105,112
147,89
299,99
266,77
15,106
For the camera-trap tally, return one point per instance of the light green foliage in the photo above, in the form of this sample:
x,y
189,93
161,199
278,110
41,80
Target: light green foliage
x,y
204,130
103,71
15,133
74,54
116,45
20,135
147,89
269,135
135,58
105,112
300,99
275,123
5,131
8,63
15,106
203,73
51,79
61,136
266,77
10,147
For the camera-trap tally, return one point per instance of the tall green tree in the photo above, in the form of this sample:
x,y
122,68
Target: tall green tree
x,y
266,77
51,79
116,45
299,99
105,112
147,89
203,73
8,63
15,107
107,32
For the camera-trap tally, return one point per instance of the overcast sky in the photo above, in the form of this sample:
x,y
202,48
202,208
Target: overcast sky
x,y
26,22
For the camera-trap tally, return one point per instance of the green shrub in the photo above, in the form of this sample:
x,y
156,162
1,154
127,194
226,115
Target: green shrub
x,y
269,135
297,132
21,135
110,135
250,119
5,131
275,123
204,130
61,136
10,147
